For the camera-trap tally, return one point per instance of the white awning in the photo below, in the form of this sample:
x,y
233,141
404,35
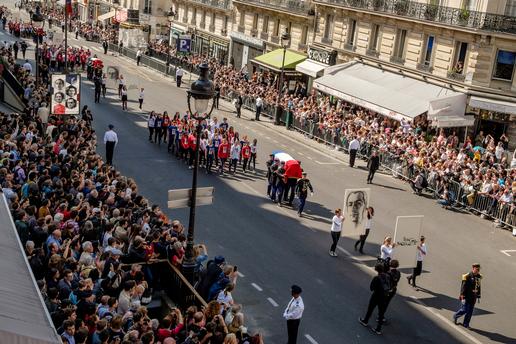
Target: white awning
x,y
311,68
106,16
390,94
453,121
493,105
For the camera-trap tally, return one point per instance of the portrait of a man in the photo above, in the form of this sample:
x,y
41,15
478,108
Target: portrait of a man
x,y
355,206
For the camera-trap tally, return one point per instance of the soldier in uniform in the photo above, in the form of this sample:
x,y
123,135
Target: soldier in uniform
x,y
302,187
469,293
270,169
293,313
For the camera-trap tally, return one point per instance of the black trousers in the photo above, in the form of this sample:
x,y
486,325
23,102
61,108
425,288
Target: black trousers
x,y
97,96
335,236
258,112
352,157
416,272
138,60
362,240
110,149
292,329
178,81
370,176
376,301
290,190
151,132
141,102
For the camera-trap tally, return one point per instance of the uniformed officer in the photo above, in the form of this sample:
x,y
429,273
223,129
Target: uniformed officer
x,y
271,166
302,187
469,293
293,313
110,140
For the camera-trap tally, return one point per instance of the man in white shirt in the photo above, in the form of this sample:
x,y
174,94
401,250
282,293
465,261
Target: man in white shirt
x,y
259,106
179,76
420,256
354,146
138,57
110,140
293,313
27,66
43,113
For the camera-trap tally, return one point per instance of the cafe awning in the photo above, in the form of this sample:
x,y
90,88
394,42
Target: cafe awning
x,y
493,105
106,16
274,59
311,68
393,95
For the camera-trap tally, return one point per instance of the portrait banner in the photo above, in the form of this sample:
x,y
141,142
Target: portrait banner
x,y
354,210
66,94
406,237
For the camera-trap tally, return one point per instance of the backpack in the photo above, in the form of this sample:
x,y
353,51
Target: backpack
x,y
386,284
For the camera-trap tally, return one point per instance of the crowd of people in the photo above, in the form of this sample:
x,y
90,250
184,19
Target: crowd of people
x,y
91,239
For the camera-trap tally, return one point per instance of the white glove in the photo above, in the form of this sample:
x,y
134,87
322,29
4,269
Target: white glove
x,y
311,193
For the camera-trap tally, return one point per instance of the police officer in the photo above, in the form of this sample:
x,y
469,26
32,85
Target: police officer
x,y
105,46
271,167
293,313
372,165
469,293
302,187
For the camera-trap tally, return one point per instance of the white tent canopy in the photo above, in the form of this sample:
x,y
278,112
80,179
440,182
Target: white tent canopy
x,y
390,94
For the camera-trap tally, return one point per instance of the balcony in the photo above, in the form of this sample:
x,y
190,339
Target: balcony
x,y
434,13
397,60
220,4
326,40
456,76
293,6
424,67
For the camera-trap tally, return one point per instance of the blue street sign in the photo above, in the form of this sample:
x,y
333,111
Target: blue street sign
x,y
184,44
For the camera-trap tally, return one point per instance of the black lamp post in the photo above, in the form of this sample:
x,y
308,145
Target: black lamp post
x,y
170,19
37,23
201,90
285,40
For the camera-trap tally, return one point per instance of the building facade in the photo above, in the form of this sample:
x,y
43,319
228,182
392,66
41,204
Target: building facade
x,y
209,22
467,45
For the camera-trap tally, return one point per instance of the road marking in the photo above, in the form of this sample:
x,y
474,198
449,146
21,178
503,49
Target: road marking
x,y
310,339
300,153
447,321
274,303
328,163
257,287
142,124
310,158
506,252
268,137
241,275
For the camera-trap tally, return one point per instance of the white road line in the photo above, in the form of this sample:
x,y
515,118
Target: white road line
x,y
142,124
268,137
257,287
241,275
310,158
506,252
300,153
274,303
328,163
310,339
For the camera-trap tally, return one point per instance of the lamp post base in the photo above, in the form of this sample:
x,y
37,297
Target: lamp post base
x,y
188,270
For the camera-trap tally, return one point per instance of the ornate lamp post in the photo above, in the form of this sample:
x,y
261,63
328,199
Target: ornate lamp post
x,y
285,41
201,90
38,20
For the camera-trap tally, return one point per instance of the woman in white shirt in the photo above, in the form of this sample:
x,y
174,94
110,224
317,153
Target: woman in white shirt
x,y
225,298
363,237
141,96
421,254
387,249
336,228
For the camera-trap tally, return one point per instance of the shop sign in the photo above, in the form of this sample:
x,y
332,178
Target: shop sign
x,y
323,56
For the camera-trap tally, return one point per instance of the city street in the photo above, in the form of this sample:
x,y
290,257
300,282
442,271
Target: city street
x,y
273,248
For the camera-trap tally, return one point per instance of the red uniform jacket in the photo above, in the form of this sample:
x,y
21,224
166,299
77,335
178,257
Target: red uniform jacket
x,y
224,151
246,152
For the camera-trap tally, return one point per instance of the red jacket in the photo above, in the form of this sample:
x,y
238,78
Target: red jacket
x,y
224,151
192,141
184,142
246,152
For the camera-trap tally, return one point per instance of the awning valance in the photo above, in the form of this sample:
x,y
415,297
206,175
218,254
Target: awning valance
x,y
311,68
390,94
493,105
106,16
274,59
453,121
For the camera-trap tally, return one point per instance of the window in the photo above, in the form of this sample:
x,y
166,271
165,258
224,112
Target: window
x,y
470,5
429,48
225,24
147,7
504,65
510,8
276,27
304,35
213,19
255,21
352,28
242,18
399,44
194,15
265,26
461,50
203,19
375,38
328,23
289,28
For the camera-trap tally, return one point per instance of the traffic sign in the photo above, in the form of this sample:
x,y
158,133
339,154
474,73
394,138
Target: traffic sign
x,y
184,44
180,198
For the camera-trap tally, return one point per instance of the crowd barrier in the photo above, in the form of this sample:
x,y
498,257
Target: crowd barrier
x,y
399,168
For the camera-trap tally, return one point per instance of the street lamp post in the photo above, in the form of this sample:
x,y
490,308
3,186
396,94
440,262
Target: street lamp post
x,y
170,18
37,23
201,90
285,40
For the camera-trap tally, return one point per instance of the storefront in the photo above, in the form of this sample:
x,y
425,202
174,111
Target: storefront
x,y
211,46
176,30
244,49
495,117
313,67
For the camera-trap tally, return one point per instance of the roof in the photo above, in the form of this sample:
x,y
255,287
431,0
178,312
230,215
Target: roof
x,y
391,94
23,316
274,59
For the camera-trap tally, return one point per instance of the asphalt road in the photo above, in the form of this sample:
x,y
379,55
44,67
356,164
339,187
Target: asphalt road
x,y
273,248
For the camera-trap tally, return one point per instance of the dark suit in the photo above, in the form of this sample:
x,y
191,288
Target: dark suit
x,y
373,165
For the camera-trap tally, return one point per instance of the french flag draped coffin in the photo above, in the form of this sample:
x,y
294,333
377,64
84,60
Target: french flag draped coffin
x,y
292,167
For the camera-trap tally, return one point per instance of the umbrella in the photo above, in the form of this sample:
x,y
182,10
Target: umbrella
x,y
479,148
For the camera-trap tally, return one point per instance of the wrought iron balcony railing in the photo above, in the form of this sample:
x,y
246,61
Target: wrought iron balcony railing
x,y
297,6
222,4
435,13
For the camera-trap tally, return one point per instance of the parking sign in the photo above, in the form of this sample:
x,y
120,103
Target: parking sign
x,y
184,44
